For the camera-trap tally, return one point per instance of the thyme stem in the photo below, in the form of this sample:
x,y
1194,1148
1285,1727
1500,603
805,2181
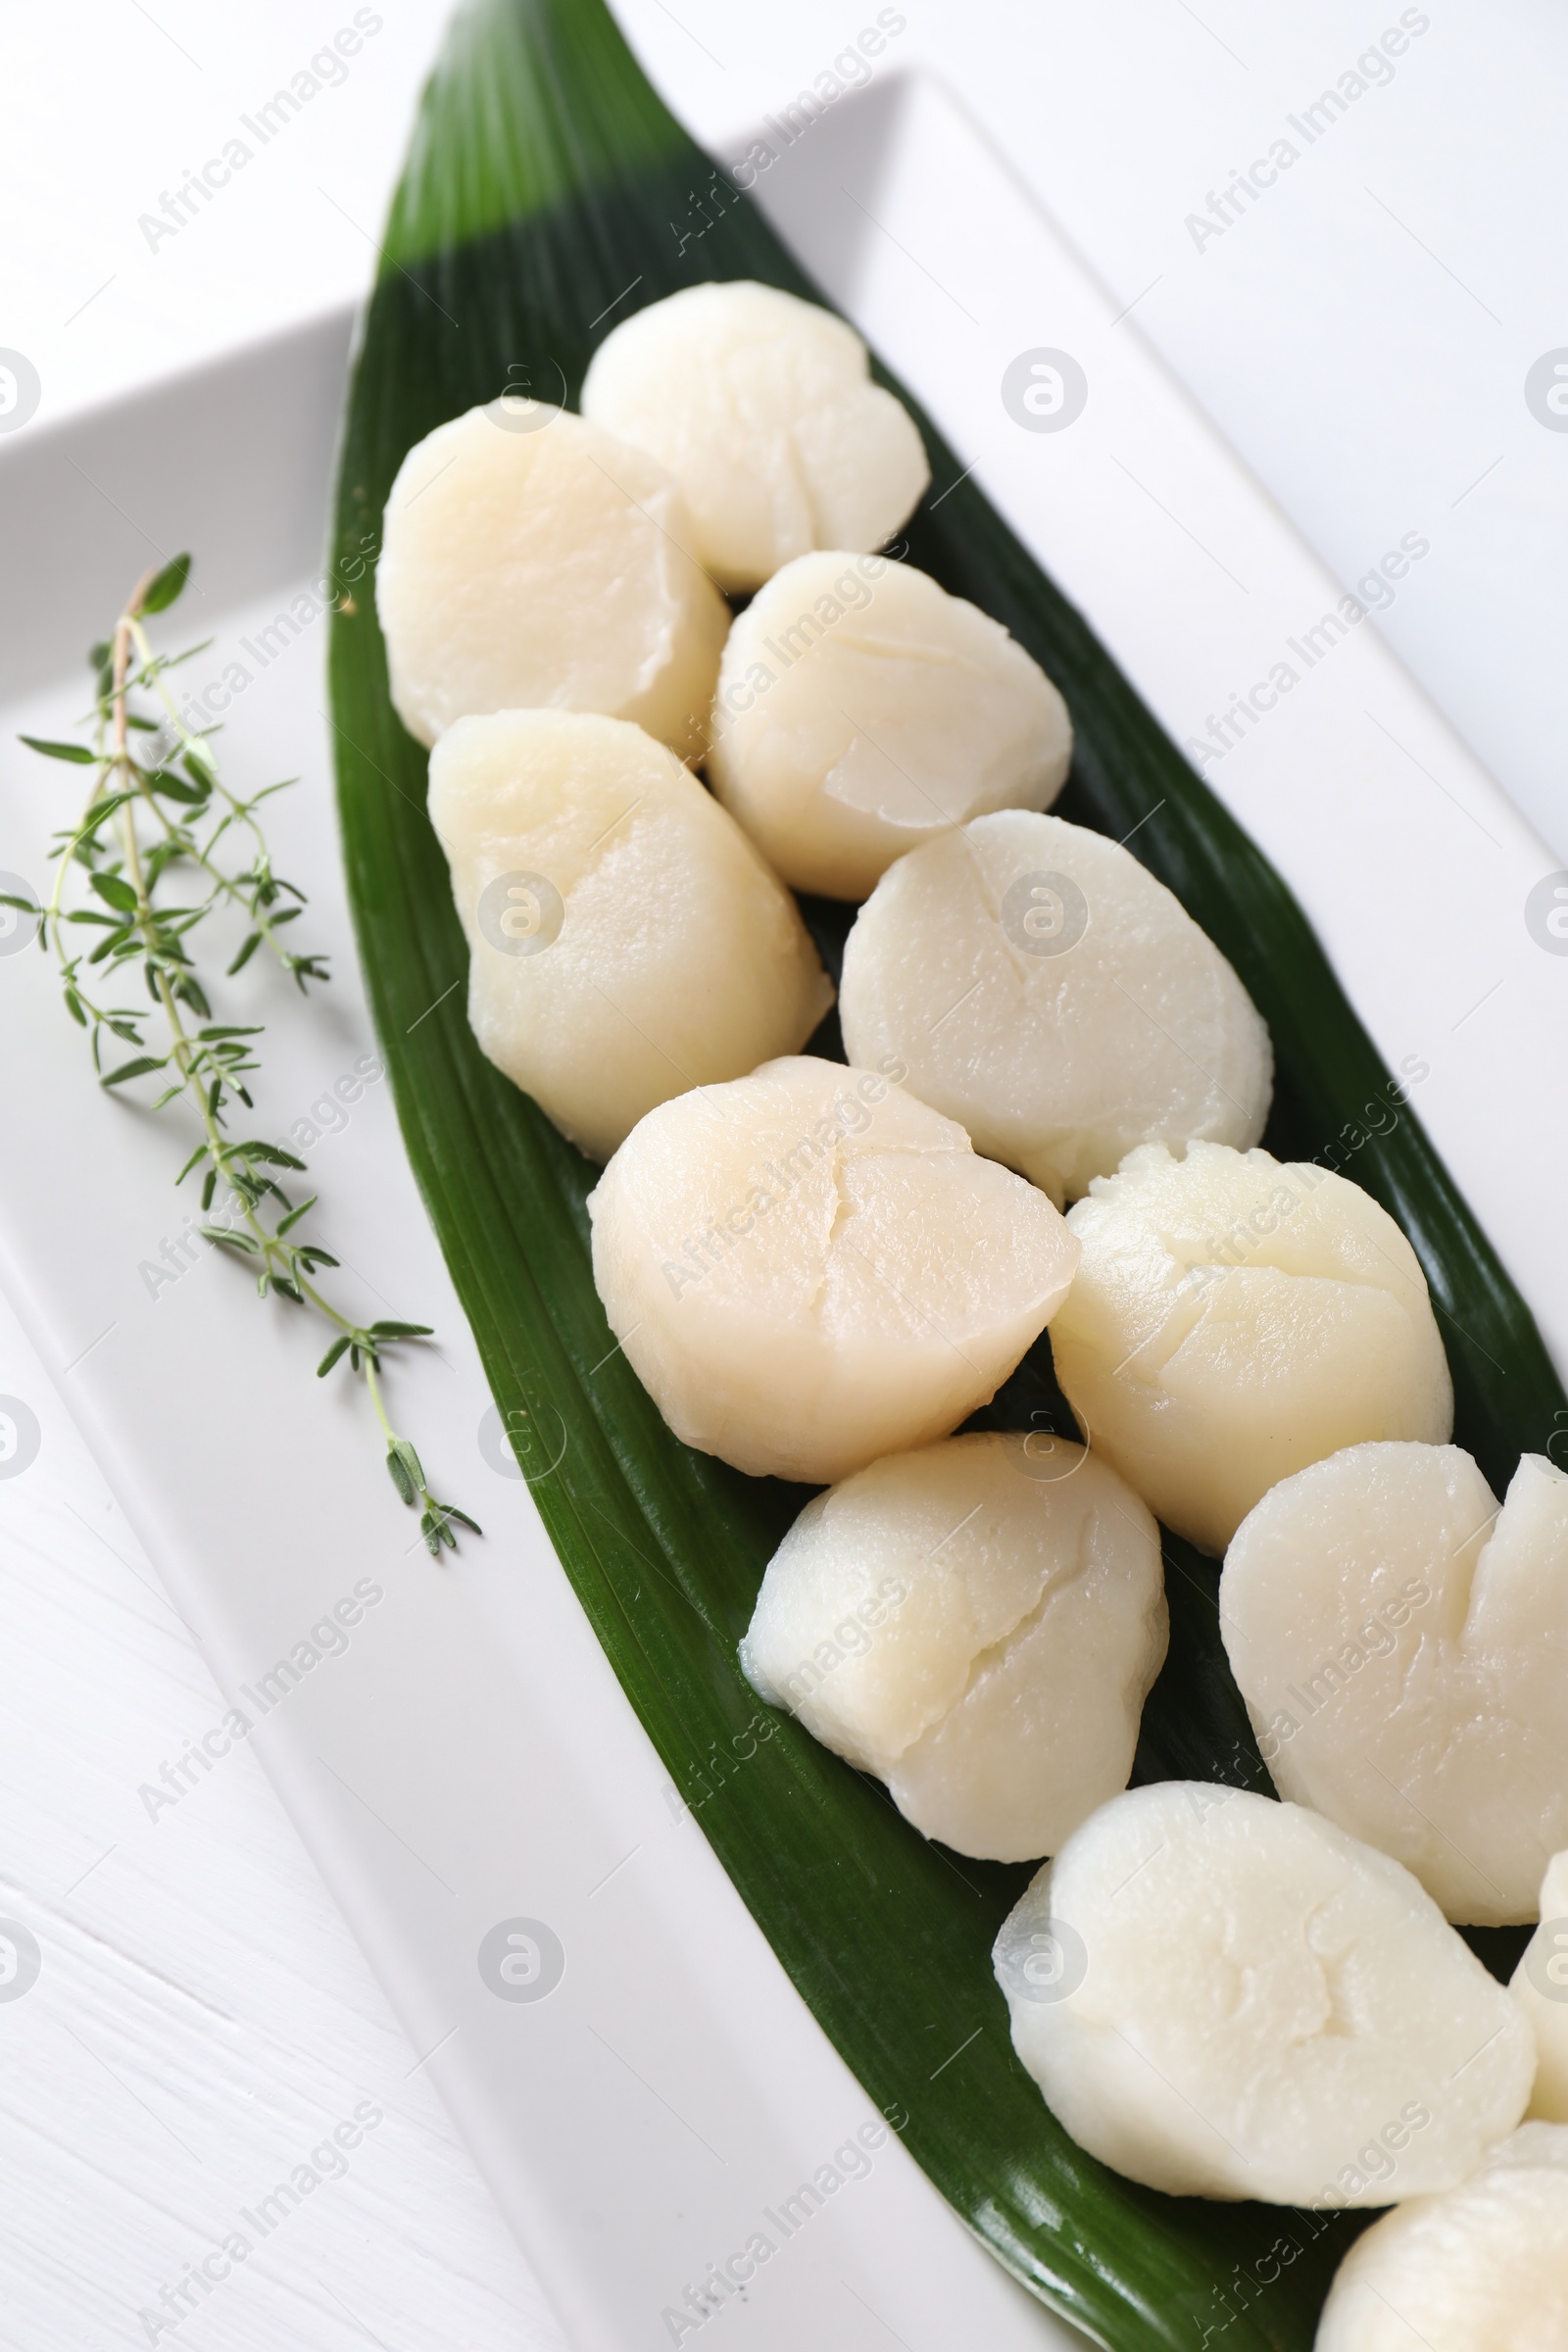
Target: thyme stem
x,y
210,1064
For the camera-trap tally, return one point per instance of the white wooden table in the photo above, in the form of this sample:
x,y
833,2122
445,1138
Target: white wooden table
x,y
202,2022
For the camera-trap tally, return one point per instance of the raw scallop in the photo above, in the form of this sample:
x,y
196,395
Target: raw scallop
x,y
1403,1648
1223,1997
1539,1984
625,938
978,1624
861,711
1235,1318
531,561
1049,993
762,408
1482,2269
809,1268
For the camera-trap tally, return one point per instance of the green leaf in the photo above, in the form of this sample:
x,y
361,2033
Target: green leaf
x,y
400,1331
331,1356
270,1155
287,1224
116,892
171,787
541,178
226,1238
404,1449
166,585
76,753
438,1526
436,1529
135,1069
102,810
398,1471
246,952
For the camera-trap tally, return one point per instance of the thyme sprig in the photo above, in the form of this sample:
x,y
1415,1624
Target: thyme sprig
x,y
165,820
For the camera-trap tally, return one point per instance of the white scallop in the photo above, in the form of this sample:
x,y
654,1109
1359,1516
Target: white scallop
x,y
1235,1318
1480,2269
809,1268
1539,1984
1222,1996
529,561
977,1623
1048,992
762,408
641,945
1403,1648
861,709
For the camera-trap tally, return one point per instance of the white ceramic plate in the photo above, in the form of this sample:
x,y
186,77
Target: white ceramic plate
x,y
468,1759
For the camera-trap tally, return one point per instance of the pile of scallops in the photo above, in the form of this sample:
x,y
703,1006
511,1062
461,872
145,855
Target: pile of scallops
x,y
668,682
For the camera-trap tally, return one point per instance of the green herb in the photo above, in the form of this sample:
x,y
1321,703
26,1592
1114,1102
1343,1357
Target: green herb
x,y
169,822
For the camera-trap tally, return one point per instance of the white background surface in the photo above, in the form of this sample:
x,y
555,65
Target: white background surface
x,y
1376,389
208,2018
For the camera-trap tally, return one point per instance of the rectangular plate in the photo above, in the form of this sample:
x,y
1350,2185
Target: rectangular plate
x,y
469,1760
